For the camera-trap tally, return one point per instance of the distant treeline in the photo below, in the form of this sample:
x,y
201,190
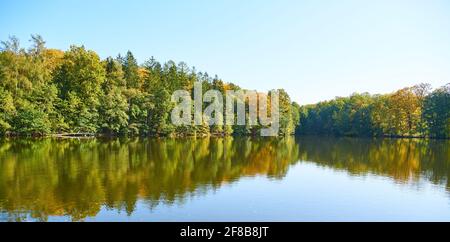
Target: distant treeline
x,y
411,112
48,91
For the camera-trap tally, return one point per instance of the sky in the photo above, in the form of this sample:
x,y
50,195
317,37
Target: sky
x,y
314,49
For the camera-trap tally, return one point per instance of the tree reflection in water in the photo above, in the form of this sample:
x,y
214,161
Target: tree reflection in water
x,y
77,178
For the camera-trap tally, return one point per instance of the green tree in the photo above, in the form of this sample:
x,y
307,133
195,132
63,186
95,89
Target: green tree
x,y
7,111
79,80
131,71
159,114
30,120
437,112
113,112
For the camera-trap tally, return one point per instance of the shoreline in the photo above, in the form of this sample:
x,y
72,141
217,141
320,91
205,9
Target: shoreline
x,y
110,136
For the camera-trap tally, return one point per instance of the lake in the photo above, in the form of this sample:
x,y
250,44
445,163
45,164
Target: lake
x,y
229,179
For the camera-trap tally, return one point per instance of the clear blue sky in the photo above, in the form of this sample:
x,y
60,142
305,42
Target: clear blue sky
x,y
315,49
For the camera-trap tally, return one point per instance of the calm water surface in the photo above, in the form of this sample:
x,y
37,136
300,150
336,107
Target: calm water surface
x,y
240,179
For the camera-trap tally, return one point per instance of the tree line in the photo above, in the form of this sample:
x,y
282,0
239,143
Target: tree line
x,y
47,91
410,112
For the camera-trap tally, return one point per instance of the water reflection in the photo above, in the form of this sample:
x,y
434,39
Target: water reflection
x,y
77,178
404,160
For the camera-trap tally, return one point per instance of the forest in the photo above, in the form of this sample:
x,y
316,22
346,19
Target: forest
x,y
417,111
47,91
